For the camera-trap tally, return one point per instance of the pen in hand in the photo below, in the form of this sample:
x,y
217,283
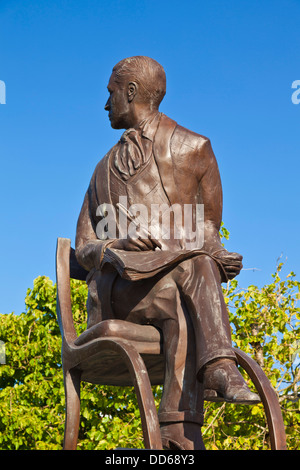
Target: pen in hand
x,y
137,224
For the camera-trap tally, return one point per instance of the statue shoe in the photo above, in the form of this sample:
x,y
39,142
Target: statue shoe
x,y
223,382
181,436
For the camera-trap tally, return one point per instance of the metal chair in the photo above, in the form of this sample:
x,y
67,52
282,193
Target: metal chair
x,y
116,352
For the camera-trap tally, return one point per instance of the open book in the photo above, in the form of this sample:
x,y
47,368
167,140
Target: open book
x,y
135,265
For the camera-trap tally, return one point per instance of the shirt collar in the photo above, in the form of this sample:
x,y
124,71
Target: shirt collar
x,y
149,126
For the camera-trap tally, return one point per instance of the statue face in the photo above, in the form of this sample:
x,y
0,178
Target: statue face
x,y
117,105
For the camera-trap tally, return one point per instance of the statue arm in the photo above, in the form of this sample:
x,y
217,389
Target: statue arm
x,y
210,192
210,195
89,249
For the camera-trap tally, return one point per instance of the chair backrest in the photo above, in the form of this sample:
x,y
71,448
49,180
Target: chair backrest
x,y
66,267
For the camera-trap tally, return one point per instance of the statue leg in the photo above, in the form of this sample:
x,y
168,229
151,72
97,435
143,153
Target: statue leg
x,y
199,282
181,408
159,303
187,304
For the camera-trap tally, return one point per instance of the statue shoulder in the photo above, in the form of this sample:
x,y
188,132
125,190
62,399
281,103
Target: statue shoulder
x,y
186,141
181,136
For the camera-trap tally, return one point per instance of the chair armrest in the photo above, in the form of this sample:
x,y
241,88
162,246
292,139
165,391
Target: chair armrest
x,y
63,302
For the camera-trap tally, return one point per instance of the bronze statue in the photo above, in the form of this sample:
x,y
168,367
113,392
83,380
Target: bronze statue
x,y
145,277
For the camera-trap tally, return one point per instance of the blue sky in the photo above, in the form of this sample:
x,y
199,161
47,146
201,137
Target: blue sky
x,y
230,66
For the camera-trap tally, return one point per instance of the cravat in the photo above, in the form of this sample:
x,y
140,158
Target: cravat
x,y
129,154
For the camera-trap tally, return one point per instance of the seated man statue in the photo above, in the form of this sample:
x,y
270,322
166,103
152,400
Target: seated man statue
x,y
159,164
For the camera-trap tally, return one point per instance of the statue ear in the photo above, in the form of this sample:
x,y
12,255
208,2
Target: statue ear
x,y
132,90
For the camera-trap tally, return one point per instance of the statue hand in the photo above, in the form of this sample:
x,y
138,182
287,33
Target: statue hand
x,y
232,262
133,244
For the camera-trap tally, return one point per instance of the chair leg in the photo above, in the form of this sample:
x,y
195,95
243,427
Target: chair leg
x,y
142,386
72,397
269,400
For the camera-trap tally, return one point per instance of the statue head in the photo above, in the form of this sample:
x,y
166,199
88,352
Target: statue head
x,y
137,86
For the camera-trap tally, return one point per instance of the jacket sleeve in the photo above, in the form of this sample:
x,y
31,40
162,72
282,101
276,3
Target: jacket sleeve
x,y
210,195
89,249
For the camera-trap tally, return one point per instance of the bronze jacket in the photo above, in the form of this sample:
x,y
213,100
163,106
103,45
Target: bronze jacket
x,y
189,174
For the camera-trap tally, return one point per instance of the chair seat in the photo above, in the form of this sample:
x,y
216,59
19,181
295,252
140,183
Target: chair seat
x,y
97,352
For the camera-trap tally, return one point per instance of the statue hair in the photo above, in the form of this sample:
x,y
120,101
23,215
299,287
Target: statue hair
x,y
147,73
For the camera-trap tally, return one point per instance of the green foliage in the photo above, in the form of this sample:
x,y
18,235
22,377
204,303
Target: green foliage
x,y
266,325
31,382
224,233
